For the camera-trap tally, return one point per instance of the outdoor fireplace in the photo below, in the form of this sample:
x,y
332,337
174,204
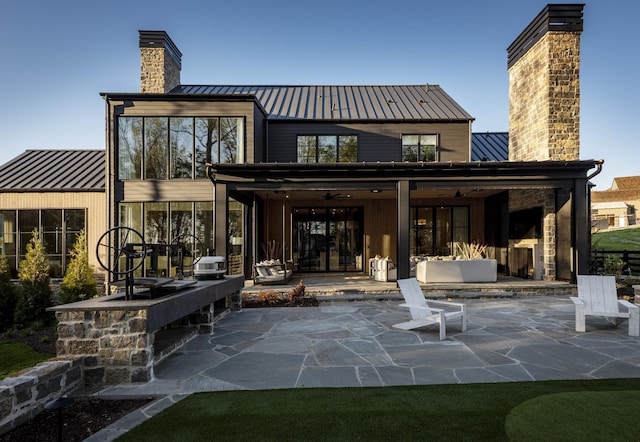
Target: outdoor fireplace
x,y
525,259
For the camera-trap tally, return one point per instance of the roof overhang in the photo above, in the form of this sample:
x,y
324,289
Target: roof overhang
x,y
502,173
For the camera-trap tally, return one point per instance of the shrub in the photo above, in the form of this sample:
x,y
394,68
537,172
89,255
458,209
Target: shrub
x,y
7,295
34,295
269,297
78,282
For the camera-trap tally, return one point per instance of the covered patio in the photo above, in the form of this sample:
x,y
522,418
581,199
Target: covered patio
x,y
357,211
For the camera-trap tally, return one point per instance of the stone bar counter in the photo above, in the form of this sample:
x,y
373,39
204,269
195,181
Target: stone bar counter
x,y
114,337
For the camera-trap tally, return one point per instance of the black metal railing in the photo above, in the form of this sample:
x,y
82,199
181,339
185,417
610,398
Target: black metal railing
x,y
624,262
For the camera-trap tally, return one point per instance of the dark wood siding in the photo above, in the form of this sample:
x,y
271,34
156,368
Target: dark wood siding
x,y
376,141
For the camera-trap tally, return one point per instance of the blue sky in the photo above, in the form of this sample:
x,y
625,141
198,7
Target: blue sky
x,y
57,56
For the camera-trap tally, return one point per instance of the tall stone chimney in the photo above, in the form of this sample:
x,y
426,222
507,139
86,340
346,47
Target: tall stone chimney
x,y
160,62
544,86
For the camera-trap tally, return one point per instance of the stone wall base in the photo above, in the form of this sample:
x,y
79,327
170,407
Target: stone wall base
x,y
24,396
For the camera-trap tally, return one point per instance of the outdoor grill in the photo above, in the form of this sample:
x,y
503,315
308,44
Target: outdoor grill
x,y
210,267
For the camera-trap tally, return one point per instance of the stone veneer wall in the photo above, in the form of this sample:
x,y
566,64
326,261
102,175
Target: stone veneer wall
x,y
113,345
545,198
159,71
25,395
544,121
544,100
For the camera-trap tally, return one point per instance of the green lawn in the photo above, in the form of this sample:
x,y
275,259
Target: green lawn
x,y
624,239
16,357
553,410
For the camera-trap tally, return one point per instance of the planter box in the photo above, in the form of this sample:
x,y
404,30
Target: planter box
x,y
473,270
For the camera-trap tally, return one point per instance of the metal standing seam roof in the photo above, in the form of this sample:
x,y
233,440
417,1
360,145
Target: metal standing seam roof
x,y
490,146
54,170
368,103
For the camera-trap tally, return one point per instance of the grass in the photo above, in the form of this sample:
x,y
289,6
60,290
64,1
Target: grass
x,y
15,357
433,412
623,239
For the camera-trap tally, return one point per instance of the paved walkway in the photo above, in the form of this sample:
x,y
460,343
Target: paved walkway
x,y
347,344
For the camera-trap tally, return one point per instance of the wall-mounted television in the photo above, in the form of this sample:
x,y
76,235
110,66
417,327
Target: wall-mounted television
x,y
525,224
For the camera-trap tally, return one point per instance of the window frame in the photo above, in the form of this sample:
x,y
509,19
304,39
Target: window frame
x,y
419,152
315,152
137,165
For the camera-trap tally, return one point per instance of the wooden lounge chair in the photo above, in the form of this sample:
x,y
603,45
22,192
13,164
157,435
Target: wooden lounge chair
x,y
422,314
597,296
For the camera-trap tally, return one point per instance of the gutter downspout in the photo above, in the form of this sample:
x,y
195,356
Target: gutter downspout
x,y
599,164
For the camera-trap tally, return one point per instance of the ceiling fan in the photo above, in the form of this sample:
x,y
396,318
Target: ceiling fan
x,y
333,196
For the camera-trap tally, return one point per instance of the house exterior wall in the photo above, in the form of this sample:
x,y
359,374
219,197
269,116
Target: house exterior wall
x,y
376,141
380,232
94,204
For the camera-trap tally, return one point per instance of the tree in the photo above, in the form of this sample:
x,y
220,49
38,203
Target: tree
x,y
35,295
7,295
78,282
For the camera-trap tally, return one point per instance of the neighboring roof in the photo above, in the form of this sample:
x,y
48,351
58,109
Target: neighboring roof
x,y
626,183
626,188
383,103
54,170
609,205
490,146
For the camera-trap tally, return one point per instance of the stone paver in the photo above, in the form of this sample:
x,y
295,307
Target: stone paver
x,y
353,344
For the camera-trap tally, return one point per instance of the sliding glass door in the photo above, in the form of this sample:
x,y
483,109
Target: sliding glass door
x,y
327,239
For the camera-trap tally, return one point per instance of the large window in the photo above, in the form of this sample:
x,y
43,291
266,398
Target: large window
x,y
170,148
162,223
419,148
58,230
436,230
327,148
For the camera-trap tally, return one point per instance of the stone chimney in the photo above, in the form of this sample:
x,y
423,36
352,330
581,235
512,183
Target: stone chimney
x,y
160,63
544,86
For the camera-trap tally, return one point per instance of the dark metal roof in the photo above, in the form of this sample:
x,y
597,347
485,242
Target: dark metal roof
x,y
54,170
350,103
490,146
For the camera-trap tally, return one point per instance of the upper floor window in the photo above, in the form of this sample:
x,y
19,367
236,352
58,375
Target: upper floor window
x,y
177,147
327,148
419,148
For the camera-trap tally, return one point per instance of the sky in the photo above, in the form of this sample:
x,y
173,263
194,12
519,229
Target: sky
x,y
56,56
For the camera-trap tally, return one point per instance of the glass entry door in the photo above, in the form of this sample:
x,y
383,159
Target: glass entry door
x,y
327,239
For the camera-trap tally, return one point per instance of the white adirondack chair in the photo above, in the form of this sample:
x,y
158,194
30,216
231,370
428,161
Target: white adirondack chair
x,y
597,297
422,314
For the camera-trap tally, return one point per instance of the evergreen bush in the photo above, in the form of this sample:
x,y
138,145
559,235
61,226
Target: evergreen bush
x,y
78,282
34,296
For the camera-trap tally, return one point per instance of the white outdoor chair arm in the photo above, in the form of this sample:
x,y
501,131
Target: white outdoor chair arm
x,y
627,304
457,304
577,300
419,307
